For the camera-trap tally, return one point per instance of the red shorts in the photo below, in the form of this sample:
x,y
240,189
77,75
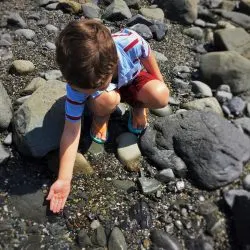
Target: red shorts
x,y
129,93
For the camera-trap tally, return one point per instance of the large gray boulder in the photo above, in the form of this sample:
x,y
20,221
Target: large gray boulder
x,y
183,10
39,122
213,149
5,108
229,68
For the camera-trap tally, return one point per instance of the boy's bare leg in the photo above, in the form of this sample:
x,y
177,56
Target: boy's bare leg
x,y
101,107
153,95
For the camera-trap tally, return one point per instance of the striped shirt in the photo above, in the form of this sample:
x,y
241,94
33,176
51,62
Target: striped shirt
x,y
130,48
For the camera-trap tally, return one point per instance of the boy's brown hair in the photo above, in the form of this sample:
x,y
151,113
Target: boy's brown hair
x,y
86,53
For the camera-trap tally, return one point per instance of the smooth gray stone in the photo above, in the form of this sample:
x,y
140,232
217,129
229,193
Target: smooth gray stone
x,y
16,20
160,57
174,101
181,69
236,106
149,185
225,88
21,100
5,54
223,96
50,45
162,112
83,239
229,68
46,2
53,74
51,6
27,33
91,10
194,32
200,23
23,66
51,28
42,22
100,236
123,184
180,84
155,14
201,89
117,240
117,10
163,241
4,154
159,30
142,30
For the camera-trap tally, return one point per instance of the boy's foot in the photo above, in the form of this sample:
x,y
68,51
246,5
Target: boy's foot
x,y
99,129
137,121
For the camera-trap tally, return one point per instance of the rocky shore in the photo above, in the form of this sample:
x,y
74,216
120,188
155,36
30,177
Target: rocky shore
x,y
183,184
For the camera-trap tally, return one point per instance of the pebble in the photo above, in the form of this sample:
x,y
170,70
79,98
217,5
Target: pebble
x,y
53,74
101,238
201,198
180,185
178,224
201,89
95,224
124,184
5,54
96,148
27,33
160,57
30,44
155,14
180,84
194,32
174,101
83,239
246,182
51,28
200,23
90,10
225,88
149,185
170,228
223,96
236,106
52,6
23,66
50,45
8,140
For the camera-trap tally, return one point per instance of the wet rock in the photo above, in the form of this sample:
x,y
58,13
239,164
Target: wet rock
x,y
212,141
128,151
28,200
205,104
16,20
91,10
182,10
162,240
194,32
149,185
238,18
233,40
139,19
117,10
4,154
34,85
53,74
236,106
27,33
117,240
162,112
140,212
5,107
155,14
43,114
22,66
246,182
83,239
229,68
201,89
142,30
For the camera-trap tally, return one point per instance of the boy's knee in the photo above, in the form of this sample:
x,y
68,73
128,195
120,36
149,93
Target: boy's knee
x,y
162,96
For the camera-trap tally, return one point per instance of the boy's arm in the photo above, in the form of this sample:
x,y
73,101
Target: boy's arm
x,y
151,66
59,191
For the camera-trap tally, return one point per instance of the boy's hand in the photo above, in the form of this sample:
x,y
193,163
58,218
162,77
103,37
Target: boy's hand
x,y
58,195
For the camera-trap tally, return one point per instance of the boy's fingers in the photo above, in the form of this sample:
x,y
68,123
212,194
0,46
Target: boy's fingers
x,y
58,206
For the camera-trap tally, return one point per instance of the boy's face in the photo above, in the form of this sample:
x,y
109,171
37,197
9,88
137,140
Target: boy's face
x,y
92,91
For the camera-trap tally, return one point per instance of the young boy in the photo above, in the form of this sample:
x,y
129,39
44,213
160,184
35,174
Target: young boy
x,y
101,69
